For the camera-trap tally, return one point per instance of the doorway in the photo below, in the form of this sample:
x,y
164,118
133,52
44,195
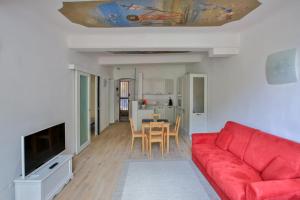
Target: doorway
x,y
87,108
124,101
95,105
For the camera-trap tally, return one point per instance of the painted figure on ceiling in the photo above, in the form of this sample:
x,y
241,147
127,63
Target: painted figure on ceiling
x,y
131,13
157,16
153,15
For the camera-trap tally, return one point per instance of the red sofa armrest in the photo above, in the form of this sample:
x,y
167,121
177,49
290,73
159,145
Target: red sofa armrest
x,y
288,189
206,138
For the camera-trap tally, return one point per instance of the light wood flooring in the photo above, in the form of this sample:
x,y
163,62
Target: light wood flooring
x,y
98,167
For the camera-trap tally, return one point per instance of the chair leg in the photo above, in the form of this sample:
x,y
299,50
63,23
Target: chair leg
x,y
166,144
150,150
146,144
162,149
143,147
132,142
177,140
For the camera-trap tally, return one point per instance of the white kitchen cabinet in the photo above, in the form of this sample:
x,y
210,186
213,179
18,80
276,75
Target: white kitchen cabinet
x,y
169,86
170,113
166,112
143,114
180,86
158,86
161,111
140,85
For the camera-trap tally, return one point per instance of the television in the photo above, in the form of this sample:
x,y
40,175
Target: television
x,y
40,147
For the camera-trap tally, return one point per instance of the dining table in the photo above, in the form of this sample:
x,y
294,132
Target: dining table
x,y
166,126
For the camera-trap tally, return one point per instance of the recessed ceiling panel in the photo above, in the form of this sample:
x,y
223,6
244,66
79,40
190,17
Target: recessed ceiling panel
x,y
139,13
148,52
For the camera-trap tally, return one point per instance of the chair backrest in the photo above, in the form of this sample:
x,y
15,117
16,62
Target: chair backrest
x,y
154,116
177,125
156,129
131,126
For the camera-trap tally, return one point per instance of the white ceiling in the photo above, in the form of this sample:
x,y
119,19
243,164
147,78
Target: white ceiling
x,y
217,41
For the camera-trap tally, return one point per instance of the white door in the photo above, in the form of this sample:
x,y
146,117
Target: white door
x,y
198,103
82,110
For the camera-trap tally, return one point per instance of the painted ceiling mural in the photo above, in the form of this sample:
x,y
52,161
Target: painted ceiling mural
x,y
138,13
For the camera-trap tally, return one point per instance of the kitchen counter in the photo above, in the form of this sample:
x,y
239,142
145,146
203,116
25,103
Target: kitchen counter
x,y
165,112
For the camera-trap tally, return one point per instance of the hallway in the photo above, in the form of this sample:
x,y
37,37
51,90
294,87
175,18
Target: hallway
x,y
98,167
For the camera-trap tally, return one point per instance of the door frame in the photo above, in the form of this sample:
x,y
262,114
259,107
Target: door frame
x,y
79,147
128,98
191,87
97,105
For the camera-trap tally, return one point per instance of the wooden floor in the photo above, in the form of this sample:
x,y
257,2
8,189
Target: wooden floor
x,y
97,168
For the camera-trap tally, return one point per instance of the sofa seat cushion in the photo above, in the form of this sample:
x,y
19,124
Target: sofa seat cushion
x,y
232,176
205,152
279,168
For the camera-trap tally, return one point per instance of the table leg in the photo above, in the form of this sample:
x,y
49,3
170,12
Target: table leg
x,y
143,140
168,139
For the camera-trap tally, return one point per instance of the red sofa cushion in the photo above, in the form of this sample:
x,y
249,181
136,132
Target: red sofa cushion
x,y
280,168
274,190
232,176
205,152
241,137
264,147
224,138
204,138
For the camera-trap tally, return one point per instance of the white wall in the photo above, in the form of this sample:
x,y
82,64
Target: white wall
x,y
159,71
37,89
111,99
237,86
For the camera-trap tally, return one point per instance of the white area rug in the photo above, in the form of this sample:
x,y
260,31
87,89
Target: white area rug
x,y
163,180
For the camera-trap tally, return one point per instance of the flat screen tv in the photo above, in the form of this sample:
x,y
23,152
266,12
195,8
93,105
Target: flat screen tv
x,y
40,147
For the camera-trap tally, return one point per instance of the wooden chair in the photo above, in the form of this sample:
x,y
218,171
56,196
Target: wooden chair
x,y
156,135
137,134
154,116
175,131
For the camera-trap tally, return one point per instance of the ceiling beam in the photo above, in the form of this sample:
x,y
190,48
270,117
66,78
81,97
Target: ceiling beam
x,y
150,58
223,52
155,41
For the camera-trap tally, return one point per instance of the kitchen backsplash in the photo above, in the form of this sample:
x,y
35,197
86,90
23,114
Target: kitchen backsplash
x,y
159,99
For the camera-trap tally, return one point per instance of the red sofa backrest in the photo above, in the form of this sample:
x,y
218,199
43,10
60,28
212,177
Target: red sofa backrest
x,y
264,147
241,137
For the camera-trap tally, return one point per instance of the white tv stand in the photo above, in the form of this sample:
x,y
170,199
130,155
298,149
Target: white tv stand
x,y
45,183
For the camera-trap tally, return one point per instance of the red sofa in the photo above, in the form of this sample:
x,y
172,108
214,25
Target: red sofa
x,y
243,163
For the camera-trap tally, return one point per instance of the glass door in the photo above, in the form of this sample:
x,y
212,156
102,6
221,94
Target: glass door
x,y
198,103
198,95
82,110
